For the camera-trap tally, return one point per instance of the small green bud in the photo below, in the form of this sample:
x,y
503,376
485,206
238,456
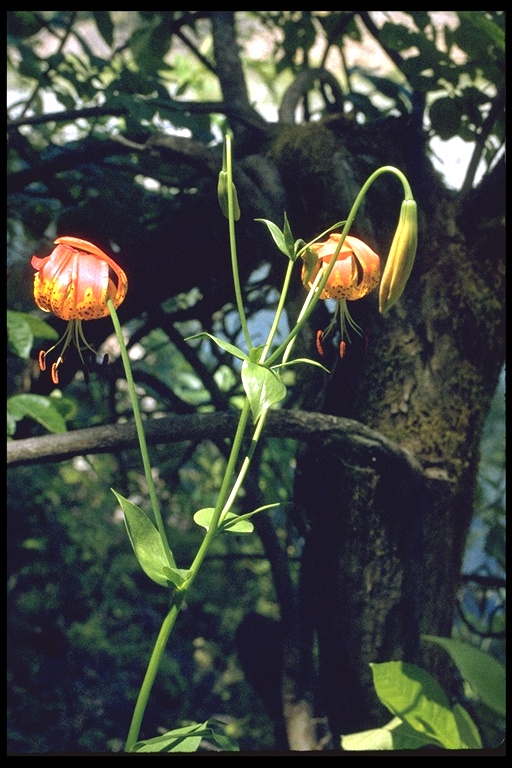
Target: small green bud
x,y
310,267
401,257
222,192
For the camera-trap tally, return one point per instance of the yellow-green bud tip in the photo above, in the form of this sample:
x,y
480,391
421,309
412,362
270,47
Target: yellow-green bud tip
x,y
401,257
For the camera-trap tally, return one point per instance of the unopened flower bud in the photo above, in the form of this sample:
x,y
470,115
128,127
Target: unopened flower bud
x,y
222,192
401,257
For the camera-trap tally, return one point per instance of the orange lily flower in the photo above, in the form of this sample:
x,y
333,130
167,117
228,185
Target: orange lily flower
x,y
355,274
74,282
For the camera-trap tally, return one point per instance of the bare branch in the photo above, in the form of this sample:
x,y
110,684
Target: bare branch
x,y
229,68
483,135
362,444
305,82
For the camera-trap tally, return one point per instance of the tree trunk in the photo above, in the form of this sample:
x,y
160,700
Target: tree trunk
x,y
384,549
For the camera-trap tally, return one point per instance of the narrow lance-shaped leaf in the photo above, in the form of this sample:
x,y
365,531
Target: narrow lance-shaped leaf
x,y
225,345
280,239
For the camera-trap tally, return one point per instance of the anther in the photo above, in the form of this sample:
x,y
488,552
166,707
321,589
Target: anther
x,y
319,346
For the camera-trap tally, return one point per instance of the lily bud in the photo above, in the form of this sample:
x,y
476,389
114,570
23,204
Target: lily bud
x,y
222,192
401,257
310,268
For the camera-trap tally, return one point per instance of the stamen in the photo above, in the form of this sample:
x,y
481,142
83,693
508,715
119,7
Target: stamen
x,y
319,346
55,375
42,360
343,348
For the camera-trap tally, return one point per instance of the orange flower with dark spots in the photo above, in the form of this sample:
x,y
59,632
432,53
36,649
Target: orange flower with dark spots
x,y
355,274
75,282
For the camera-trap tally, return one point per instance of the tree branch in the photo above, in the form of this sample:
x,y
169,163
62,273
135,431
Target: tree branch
x,y
230,71
483,135
109,110
363,445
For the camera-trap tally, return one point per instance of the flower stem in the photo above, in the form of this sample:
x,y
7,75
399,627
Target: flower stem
x,y
140,433
316,289
232,245
224,495
151,671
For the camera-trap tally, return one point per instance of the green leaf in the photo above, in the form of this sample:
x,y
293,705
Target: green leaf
x,y
301,360
485,675
105,27
236,523
468,731
187,739
203,517
176,575
226,743
288,239
19,335
146,542
221,343
394,735
417,698
262,386
21,330
38,407
232,522
40,328
64,405
280,238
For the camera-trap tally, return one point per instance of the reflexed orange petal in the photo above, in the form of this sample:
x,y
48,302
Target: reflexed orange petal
x,y
357,268
75,281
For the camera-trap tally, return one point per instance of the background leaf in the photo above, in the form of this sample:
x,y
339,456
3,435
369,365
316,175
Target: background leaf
x,y
417,698
484,674
38,407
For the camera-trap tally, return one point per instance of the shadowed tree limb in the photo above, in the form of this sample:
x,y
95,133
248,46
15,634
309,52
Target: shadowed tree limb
x,y
362,443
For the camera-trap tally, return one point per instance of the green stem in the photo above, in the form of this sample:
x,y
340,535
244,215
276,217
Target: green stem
x,y
151,672
222,497
140,432
245,465
279,311
224,502
232,245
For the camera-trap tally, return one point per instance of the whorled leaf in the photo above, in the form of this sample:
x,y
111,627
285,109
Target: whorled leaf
x,y
147,545
262,386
